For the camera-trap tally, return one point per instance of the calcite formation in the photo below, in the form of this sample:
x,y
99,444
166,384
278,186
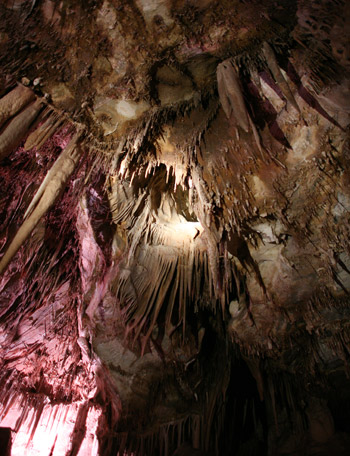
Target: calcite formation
x,y
174,227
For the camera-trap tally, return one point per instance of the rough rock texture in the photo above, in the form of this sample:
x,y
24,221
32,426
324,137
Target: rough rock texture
x,y
174,227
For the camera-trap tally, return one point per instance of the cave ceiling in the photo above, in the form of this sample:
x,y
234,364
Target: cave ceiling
x,y
174,209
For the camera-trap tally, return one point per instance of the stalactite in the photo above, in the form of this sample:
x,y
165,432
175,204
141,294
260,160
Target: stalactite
x,y
277,74
254,366
14,101
79,430
230,93
17,128
39,136
48,193
25,408
38,408
273,400
53,446
8,397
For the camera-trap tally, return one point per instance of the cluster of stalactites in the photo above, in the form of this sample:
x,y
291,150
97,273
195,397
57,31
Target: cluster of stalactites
x,y
20,111
126,167
165,264
232,97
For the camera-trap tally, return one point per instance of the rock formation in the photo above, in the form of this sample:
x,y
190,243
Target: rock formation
x,y
174,227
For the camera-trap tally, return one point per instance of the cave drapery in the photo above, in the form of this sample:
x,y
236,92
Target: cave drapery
x,y
174,227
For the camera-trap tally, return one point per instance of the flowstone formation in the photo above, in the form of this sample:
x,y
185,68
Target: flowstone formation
x,y
174,227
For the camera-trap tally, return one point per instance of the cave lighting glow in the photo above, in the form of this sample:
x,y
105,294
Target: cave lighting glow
x,y
53,434
188,229
181,233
